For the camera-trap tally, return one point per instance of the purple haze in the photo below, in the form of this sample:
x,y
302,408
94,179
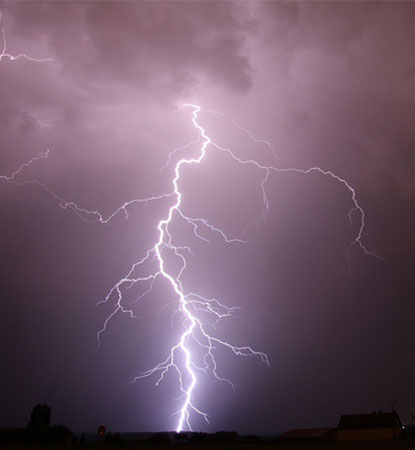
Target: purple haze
x,y
329,85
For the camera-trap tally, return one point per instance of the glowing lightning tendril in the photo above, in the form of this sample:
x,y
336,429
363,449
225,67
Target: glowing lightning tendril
x,y
190,304
5,54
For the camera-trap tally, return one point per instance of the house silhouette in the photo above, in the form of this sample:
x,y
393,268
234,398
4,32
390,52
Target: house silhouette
x,y
370,427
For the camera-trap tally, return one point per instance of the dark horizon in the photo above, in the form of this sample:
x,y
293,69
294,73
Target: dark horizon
x,y
97,105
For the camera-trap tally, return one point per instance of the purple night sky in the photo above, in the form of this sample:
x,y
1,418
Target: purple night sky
x,y
328,84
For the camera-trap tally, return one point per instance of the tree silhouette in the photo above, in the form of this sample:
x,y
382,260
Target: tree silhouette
x,y
40,416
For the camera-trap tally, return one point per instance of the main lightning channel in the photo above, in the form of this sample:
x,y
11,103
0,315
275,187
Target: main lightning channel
x,y
189,304
162,227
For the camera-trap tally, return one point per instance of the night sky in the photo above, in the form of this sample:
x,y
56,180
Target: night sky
x,y
328,84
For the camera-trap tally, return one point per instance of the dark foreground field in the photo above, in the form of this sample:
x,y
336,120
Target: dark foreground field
x,y
382,445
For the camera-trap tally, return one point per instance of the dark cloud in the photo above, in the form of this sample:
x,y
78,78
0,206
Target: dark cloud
x,y
155,46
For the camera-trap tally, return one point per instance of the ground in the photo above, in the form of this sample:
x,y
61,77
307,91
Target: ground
x,y
385,445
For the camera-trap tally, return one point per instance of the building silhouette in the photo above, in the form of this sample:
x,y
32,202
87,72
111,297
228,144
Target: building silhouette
x,y
370,427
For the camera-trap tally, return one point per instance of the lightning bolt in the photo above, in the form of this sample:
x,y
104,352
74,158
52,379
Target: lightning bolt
x,y
199,314
190,305
4,53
